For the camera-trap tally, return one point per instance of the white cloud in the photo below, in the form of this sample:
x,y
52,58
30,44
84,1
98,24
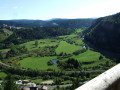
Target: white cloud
x,y
104,8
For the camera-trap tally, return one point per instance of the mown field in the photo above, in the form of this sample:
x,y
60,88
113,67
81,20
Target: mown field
x,y
65,37
37,63
89,56
67,48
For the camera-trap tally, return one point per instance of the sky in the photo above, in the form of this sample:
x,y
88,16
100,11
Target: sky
x,y
49,9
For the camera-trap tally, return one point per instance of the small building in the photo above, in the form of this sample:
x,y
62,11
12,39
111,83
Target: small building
x,y
32,84
25,81
29,88
33,88
25,88
19,82
44,88
4,52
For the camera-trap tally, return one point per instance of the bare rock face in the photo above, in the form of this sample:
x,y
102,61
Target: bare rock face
x,y
109,80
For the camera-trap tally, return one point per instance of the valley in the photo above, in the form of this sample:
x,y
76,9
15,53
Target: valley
x,y
53,55
39,58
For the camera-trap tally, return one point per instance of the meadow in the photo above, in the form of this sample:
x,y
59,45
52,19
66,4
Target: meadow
x,y
65,37
89,56
2,74
41,43
3,36
64,46
37,63
67,48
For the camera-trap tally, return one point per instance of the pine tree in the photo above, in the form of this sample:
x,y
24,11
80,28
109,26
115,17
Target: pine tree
x,y
9,83
36,43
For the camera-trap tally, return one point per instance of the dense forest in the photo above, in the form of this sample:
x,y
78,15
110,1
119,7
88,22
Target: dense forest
x,y
104,33
27,34
71,23
37,29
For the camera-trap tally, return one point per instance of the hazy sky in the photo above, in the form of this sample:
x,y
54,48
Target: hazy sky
x,y
47,9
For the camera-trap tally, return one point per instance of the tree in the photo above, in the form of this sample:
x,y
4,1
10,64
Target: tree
x,y
61,54
75,84
36,43
107,63
101,57
50,62
1,56
9,83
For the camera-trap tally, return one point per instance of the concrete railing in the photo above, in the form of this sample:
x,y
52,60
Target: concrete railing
x,y
109,80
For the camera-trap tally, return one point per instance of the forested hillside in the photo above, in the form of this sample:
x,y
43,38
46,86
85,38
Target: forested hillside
x,y
21,31
28,34
105,33
72,23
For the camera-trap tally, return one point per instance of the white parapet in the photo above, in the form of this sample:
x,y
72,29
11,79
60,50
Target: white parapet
x,y
103,81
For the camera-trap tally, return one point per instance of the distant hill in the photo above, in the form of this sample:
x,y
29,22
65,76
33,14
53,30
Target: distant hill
x,y
72,23
23,23
104,33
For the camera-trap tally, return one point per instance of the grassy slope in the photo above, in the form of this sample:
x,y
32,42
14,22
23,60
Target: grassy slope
x,y
78,41
79,30
4,50
3,36
37,63
67,48
65,37
42,42
89,56
2,74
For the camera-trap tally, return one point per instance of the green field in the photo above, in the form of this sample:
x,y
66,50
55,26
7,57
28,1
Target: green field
x,y
41,43
67,48
65,37
4,50
79,30
37,63
2,74
5,35
89,56
97,63
78,41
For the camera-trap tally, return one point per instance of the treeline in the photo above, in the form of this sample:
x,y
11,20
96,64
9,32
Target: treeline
x,y
69,64
72,23
14,51
28,34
